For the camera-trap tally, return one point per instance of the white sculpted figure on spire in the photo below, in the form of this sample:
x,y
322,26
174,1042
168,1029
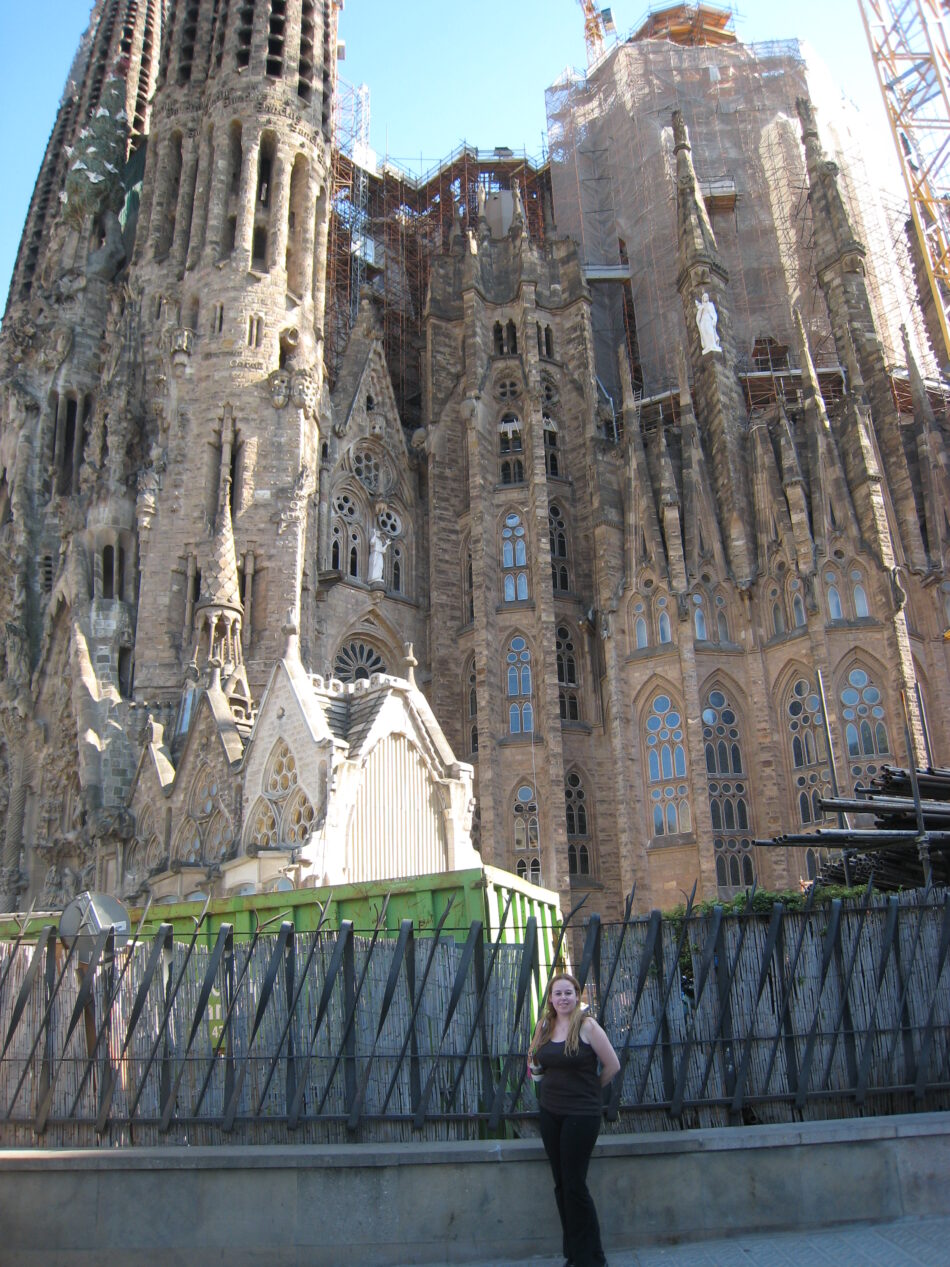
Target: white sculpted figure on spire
x,y
378,545
707,319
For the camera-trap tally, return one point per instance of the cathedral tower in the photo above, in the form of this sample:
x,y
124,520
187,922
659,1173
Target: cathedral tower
x,y
230,264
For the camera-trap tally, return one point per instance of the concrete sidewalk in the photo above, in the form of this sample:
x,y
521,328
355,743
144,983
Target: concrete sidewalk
x,y
902,1243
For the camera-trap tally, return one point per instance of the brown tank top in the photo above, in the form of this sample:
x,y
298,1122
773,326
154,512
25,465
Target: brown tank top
x,y
570,1084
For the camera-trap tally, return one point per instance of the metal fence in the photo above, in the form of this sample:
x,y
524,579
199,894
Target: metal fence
x,y
833,1010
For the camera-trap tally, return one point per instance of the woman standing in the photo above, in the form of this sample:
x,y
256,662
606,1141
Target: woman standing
x,y
567,1047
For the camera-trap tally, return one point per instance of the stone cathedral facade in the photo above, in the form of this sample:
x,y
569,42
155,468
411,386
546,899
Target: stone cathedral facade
x,y
256,632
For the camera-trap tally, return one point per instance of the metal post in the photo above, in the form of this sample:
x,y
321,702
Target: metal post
x,y
923,840
842,820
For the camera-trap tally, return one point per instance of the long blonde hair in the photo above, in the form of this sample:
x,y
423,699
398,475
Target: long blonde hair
x,y
545,1025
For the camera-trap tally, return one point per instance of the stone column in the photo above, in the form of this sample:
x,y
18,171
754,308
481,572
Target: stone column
x,y
202,193
76,456
247,201
186,201
59,436
217,195
323,518
160,202
279,209
306,245
248,599
189,601
320,237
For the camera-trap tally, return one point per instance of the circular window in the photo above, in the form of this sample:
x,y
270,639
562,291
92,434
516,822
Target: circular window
x,y
366,468
344,506
357,661
389,522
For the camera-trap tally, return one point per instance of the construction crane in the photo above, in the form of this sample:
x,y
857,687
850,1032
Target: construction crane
x,y
909,44
597,24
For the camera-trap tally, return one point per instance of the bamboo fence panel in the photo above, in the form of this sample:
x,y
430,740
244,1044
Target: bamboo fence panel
x,y
837,1010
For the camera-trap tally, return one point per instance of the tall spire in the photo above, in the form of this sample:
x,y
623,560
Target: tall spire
x,y
841,276
703,286
697,242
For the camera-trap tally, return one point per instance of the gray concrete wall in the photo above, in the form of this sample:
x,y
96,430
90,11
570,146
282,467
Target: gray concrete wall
x,y
372,1205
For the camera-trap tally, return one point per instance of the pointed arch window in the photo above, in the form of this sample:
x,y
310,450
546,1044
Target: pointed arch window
x,y
668,793
567,681
699,618
806,737
728,789
859,596
511,450
552,456
518,678
284,816
557,531
722,623
397,567
526,833
514,560
865,726
664,628
778,612
640,633
833,597
187,848
468,588
346,541
471,705
578,827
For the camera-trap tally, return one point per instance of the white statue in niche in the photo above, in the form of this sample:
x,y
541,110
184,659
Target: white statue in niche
x,y
378,545
707,319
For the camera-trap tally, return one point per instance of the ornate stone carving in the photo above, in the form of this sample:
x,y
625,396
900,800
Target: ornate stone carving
x,y
279,383
303,392
55,346
707,320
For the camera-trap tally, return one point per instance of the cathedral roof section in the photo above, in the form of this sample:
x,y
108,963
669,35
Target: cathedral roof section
x,y
359,713
364,367
210,714
497,267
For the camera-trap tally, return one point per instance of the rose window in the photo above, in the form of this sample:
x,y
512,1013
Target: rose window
x,y
367,469
345,506
357,661
389,523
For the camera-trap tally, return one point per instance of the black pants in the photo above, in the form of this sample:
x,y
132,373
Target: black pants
x,y
569,1141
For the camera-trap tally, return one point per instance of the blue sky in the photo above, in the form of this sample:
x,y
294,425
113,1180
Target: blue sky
x,y
439,73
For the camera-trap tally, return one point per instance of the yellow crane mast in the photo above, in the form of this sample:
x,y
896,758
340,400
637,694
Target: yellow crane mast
x,y
597,23
911,52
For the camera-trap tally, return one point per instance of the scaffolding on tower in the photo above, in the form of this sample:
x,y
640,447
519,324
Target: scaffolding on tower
x,y
613,179
385,226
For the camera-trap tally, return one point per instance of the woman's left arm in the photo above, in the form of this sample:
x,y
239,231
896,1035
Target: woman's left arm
x,y
592,1033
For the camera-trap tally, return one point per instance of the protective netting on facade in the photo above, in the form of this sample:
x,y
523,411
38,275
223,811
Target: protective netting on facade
x,y
613,179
